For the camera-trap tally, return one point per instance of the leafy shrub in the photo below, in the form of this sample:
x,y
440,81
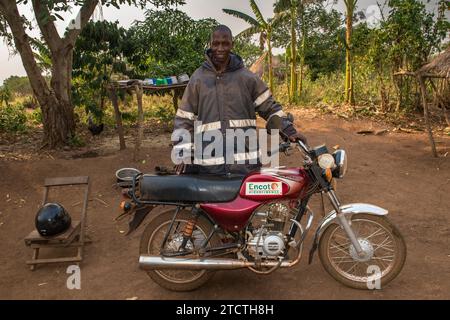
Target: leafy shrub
x,y
164,113
129,117
35,117
77,141
12,118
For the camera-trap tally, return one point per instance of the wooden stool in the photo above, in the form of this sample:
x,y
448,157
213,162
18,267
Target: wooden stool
x,y
73,237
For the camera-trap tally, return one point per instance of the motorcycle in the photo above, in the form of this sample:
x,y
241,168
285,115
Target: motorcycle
x,y
256,222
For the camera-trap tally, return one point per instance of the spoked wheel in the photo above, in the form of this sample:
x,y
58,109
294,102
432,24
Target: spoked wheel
x,y
384,252
152,240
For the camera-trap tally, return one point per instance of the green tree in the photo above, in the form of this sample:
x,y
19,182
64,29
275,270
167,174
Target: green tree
x,y
247,49
260,26
319,39
167,42
19,86
98,54
54,99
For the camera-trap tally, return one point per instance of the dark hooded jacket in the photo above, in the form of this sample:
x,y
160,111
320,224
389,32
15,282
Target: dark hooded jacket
x,y
222,101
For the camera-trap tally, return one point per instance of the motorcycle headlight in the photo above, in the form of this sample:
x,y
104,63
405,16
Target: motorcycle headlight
x,y
340,158
326,161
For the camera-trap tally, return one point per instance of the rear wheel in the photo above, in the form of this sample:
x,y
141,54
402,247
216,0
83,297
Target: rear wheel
x,y
383,258
153,237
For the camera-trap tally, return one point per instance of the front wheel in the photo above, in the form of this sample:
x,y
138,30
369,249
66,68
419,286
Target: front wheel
x,y
384,252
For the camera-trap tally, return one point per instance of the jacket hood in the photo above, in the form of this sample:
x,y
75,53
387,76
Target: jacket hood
x,y
235,63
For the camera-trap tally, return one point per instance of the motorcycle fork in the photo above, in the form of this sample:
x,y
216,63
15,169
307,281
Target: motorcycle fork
x,y
343,222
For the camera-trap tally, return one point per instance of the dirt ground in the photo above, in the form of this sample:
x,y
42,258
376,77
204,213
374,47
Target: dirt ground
x,y
394,170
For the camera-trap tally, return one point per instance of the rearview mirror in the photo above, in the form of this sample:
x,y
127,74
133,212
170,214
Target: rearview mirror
x,y
290,117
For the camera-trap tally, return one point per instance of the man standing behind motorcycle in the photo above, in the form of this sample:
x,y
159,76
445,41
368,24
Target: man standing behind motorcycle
x,y
223,94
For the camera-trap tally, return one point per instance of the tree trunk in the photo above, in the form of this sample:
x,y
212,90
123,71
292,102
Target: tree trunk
x,y
55,101
115,102
140,123
423,93
398,83
302,51
348,56
58,121
286,62
293,89
383,99
57,112
269,49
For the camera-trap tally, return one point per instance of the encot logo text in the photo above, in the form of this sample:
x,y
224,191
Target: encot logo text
x,y
263,188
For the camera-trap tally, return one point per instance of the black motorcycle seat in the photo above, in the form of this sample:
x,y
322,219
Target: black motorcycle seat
x,y
189,188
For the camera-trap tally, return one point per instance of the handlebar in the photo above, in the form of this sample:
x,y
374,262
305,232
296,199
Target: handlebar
x,y
302,146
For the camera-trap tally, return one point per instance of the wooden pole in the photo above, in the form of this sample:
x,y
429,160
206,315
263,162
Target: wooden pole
x,y
426,114
175,99
115,103
140,123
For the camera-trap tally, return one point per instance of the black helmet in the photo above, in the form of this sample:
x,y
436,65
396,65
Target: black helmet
x,y
52,219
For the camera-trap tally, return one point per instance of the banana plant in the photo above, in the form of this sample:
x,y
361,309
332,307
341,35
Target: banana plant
x,y
291,7
261,26
295,10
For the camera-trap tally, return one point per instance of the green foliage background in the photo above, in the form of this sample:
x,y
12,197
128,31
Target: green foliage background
x,y
168,42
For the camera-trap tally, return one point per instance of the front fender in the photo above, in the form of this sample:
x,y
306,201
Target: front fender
x,y
348,210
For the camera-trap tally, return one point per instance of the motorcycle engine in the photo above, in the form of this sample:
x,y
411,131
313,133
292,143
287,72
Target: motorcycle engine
x,y
266,237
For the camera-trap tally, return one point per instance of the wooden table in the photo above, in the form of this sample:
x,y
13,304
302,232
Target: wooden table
x,y
138,87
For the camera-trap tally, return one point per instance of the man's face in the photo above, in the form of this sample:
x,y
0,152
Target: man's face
x,y
221,45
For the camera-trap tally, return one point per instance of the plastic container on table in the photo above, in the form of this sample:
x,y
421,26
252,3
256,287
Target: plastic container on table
x,y
183,78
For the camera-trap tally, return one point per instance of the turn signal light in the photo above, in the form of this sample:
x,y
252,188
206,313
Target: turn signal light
x,y
328,174
125,206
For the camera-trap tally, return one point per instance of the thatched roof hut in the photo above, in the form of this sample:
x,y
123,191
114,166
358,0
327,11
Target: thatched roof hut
x,y
439,67
258,66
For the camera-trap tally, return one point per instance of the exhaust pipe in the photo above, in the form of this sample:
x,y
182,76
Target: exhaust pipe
x,y
148,262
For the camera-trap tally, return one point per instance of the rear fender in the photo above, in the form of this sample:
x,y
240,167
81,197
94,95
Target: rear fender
x,y
138,218
348,210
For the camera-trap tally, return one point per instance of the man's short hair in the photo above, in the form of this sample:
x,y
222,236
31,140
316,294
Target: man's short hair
x,y
222,28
